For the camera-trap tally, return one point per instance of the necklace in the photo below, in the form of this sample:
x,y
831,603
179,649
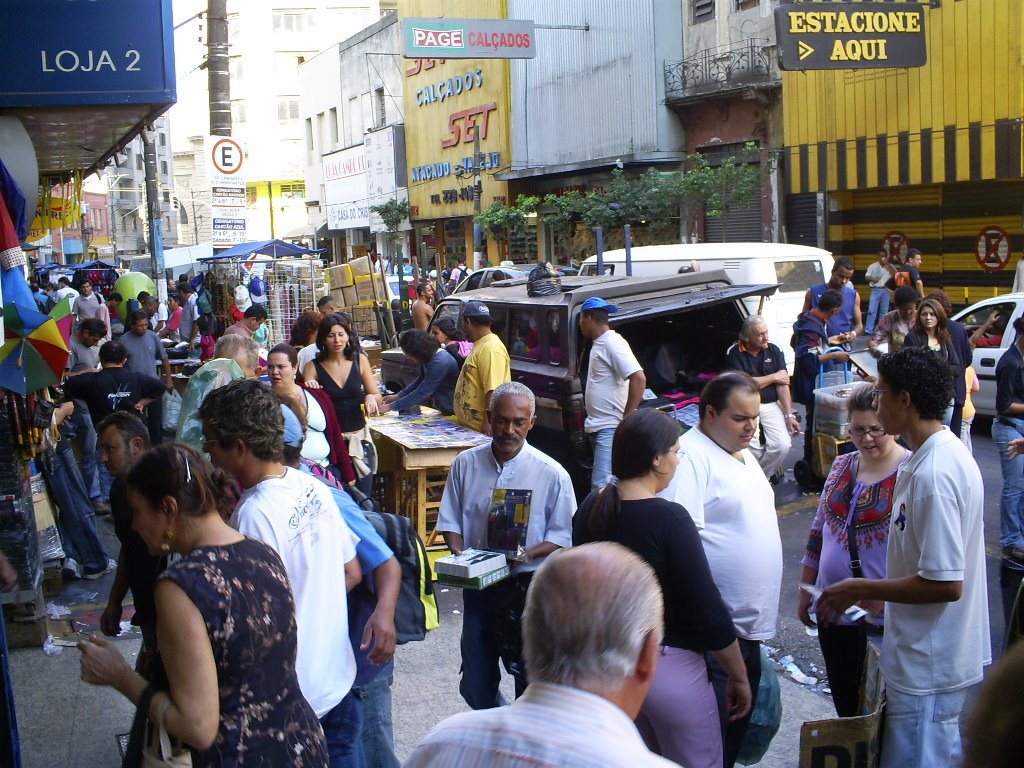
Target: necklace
x,y
272,476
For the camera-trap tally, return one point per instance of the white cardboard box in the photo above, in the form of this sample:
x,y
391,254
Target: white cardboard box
x,y
470,563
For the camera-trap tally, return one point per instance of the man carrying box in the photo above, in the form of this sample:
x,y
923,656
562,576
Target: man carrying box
x,y
505,468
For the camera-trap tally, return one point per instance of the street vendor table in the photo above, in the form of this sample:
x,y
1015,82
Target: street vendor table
x,y
415,453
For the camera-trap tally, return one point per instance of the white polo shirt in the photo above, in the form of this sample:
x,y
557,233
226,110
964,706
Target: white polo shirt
x,y
937,532
733,506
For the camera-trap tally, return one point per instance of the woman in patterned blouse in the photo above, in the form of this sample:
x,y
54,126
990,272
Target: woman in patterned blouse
x,y
225,627
862,481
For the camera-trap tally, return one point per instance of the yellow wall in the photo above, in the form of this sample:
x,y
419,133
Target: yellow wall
x,y
429,125
289,212
973,75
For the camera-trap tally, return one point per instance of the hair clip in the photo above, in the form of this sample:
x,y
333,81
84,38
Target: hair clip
x,y
188,471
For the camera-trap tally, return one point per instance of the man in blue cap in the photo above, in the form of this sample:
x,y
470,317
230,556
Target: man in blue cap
x,y
486,367
615,383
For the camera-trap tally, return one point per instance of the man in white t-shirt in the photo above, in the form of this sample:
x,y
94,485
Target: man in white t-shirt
x,y
725,491
615,384
243,429
935,591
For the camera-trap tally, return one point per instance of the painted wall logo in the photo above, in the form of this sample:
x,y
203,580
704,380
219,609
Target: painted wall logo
x,y
432,38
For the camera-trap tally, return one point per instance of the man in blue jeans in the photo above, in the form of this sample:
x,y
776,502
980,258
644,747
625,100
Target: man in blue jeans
x,y
615,384
371,612
935,591
295,514
509,465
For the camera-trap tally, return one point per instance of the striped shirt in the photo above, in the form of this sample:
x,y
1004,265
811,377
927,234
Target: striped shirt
x,y
550,726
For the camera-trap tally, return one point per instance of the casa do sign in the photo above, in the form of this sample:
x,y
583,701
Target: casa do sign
x,y
850,35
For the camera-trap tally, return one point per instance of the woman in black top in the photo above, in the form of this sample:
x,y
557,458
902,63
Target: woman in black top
x,y
342,370
679,719
932,333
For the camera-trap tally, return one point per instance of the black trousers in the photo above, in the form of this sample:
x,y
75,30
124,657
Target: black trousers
x,y
733,732
843,648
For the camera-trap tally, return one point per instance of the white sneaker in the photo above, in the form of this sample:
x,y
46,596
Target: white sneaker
x,y
71,569
111,565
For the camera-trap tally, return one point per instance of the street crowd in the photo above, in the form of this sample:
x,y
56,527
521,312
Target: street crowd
x,y
632,623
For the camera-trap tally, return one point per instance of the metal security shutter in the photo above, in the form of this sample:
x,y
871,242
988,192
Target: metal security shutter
x,y
744,224
802,219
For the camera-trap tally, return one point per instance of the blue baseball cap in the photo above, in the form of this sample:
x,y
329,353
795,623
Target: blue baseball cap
x,y
596,302
292,427
478,311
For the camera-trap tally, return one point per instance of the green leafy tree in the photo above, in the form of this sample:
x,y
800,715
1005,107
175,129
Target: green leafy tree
x,y
393,213
504,223
735,182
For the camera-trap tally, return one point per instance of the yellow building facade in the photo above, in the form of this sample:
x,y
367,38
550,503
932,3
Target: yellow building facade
x,y
927,157
445,102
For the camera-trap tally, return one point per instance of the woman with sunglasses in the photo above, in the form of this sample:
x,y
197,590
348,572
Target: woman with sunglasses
x,y
848,539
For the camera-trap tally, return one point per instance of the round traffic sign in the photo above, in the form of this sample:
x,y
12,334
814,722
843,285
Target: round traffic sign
x,y
227,156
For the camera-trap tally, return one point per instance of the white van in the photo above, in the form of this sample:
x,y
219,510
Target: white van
x,y
794,268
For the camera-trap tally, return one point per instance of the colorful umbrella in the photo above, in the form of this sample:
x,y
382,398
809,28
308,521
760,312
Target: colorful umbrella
x,y
61,312
35,349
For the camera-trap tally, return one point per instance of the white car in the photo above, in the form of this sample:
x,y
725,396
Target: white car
x,y
985,358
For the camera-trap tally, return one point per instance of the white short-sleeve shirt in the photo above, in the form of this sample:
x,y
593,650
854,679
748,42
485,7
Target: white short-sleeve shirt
x,y
733,506
297,516
612,362
937,532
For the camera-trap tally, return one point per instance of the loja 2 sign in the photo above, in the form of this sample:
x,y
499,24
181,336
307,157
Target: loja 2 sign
x,y
468,39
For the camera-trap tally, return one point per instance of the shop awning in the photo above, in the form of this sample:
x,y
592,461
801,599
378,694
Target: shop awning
x,y
307,230
275,248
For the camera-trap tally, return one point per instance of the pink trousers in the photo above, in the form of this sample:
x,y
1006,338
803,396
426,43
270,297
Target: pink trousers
x,y
679,717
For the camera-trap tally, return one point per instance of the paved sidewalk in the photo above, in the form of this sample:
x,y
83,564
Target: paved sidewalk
x,y
65,723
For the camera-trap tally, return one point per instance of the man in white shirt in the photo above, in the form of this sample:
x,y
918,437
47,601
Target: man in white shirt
x,y
65,291
615,384
579,709
724,490
243,428
509,463
877,274
936,598
188,331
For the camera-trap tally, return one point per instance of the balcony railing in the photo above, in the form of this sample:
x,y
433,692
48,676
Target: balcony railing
x,y
750,64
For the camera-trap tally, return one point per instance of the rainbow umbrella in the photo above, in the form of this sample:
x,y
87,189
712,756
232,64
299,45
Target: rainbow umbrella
x,y
61,312
35,348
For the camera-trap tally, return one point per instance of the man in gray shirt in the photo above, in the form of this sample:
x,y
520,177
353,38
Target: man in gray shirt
x,y
144,350
84,347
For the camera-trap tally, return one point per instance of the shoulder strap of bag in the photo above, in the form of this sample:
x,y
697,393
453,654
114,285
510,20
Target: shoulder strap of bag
x,y
851,522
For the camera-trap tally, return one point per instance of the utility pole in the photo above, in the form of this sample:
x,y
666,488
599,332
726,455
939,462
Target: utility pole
x,y
218,78
156,228
217,67
477,199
